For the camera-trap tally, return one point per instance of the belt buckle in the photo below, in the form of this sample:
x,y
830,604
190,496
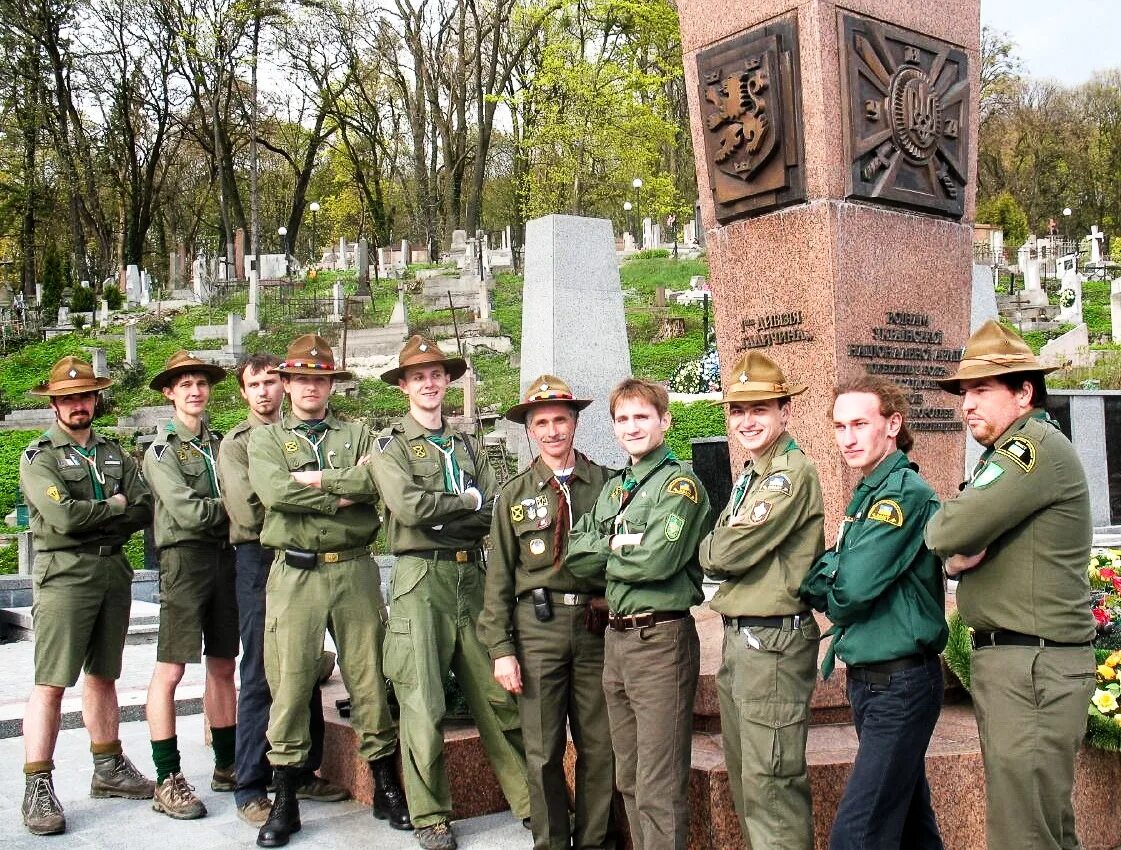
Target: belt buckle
x,y
644,620
461,556
796,622
571,598
330,557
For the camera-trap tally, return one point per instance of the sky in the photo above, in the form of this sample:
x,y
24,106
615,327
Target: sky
x,y
1066,40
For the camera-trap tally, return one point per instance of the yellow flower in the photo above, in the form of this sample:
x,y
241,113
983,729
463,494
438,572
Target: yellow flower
x,y
1114,658
1106,672
1117,720
1105,702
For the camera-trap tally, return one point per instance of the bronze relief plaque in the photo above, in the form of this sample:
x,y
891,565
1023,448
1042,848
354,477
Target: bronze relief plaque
x,y
906,109
750,110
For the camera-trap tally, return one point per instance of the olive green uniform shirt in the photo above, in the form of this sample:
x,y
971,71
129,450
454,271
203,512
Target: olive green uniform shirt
x,y
524,548
1028,508
243,506
299,516
67,497
180,467
669,507
420,514
766,555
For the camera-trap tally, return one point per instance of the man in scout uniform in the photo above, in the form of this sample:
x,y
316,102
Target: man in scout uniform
x,y
1017,538
320,519
198,605
642,536
263,391
85,498
764,543
539,622
882,589
439,490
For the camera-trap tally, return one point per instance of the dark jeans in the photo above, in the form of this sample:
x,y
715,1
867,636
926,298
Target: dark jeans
x,y
254,699
886,804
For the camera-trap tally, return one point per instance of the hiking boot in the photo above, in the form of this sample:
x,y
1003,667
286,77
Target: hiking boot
x,y
175,797
223,779
326,667
256,811
389,798
439,836
319,789
116,776
284,819
42,812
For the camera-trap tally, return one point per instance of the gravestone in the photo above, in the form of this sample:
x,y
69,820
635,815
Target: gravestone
x,y
100,362
174,271
234,334
1070,349
628,243
399,317
145,289
199,280
1115,314
131,355
132,285
1096,238
338,303
1070,297
1028,260
363,262
573,324
341,261
103,313
406,253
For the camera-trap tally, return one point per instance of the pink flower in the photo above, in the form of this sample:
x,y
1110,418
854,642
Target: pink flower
x,y
1107,573
1101,616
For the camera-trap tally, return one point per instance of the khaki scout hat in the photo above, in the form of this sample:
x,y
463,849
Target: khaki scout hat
x,y
71,376
310,355
545,389
756,377
182,363
992,350
420,351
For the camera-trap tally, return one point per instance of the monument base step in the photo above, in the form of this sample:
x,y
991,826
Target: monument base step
x,y
143,623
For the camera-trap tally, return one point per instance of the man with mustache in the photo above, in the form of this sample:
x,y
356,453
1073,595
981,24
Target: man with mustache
x,y
85,498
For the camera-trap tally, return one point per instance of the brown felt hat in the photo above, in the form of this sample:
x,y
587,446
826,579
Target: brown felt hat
x,y
71,376
421,351
993,350
182,363
756,377
545,389
310,355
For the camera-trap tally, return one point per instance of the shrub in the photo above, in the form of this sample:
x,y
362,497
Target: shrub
x,y
82,300
651,254
114,297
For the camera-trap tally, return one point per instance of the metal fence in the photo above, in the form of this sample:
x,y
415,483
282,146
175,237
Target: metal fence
x,y
19,326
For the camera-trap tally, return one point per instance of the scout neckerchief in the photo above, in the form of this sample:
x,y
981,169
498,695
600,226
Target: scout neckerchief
x,y
313,432
453,475
630,486
563,523
207,456
96,478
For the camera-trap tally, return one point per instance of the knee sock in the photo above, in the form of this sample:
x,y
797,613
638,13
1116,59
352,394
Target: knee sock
x,y
38,767
109,748
165,754
223,738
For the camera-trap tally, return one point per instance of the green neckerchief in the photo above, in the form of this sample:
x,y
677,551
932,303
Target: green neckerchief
x,y
453,476
861,496
313,431
91,463
195,442
743,484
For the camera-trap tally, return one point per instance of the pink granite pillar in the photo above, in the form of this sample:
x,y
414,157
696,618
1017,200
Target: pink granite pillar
x,y
836,169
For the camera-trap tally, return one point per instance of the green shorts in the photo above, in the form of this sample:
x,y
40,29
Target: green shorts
x,y
80,615
198,603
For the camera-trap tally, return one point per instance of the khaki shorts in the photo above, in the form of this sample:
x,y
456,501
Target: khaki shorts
x,y
80,615
198,604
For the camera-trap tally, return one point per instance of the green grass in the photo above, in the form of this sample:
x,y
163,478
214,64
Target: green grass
x,y
691,422
644,276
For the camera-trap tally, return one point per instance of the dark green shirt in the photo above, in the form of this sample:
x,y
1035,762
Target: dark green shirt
x,y
1028,508
669,508
880,585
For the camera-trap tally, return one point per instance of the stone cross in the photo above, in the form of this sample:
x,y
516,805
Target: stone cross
x,y
1096,238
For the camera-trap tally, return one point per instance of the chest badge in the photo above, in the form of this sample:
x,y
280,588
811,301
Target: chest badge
x,y
182,453
517,513
777,483
759,513
419,451
537,546
291,447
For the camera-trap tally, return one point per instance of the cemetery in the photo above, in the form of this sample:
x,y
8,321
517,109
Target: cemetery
x,y
855,234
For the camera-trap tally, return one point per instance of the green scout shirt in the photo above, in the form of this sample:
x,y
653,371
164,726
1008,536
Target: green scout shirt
x,y
420,513
245,510
1028,507
67,497
764,560
670,508
180,468
298,516
880,585
524,554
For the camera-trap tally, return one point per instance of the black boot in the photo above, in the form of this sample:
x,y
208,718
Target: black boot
x,y
389,799
284,819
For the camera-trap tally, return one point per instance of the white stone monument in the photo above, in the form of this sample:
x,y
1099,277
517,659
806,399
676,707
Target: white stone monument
x,y
1096,238
132,285
1033,293
131,355
1070,297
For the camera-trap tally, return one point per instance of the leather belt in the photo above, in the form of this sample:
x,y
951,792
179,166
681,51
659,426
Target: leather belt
x,y
1003,637
558,598
344,555
626,622
880,672
100,551
458,556
789,622
208,545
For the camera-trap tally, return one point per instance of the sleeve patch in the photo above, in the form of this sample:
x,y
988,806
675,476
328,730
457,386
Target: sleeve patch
x,y
777,483
759,513
888,511
158,449
990,473
1021,451
53,494
517,513
383,442
682,486
674,526
30,455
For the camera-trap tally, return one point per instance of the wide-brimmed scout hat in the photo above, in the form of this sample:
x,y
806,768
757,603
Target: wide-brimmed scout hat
x,y
182,363
545,389
993,350
420,351
756,377
71,376
310,355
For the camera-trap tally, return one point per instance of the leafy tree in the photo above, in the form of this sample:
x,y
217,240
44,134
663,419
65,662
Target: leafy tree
x,y
54,281
1005,213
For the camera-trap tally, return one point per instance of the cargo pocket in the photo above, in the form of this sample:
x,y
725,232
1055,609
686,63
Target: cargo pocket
x,y
785,733
399,656
407,574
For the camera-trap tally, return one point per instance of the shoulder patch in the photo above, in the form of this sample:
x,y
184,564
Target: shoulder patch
x,y
674,526
383,442
759,512
777,483
158,449
990,473
1020,450
30,454
683,486
53,494
888,511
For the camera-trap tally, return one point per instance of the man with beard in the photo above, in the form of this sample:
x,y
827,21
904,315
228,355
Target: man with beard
x,y
85,499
